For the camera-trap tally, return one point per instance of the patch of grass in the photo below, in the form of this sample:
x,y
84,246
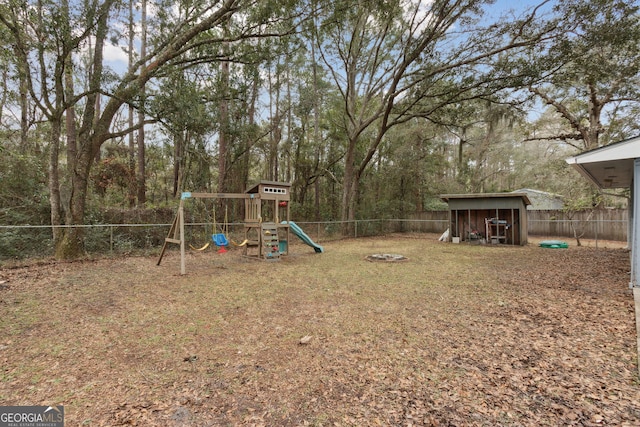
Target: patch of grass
x,y
498,332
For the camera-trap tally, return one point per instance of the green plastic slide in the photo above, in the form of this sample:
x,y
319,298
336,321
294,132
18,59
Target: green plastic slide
x,y
303,236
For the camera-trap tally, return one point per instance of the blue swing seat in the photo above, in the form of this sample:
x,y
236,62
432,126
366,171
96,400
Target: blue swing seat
x,y
220,239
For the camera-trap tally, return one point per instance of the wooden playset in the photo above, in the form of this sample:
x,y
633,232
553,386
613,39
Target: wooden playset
x,y
266,222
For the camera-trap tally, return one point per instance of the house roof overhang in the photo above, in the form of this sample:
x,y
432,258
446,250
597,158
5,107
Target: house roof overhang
x,y
610,166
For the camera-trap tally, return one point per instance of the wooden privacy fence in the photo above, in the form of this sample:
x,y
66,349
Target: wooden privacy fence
x,y
603,224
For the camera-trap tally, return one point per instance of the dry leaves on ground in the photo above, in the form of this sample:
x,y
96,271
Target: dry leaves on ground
x,y
457,335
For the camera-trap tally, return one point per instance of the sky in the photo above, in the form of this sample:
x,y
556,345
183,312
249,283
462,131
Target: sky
x,y
117,57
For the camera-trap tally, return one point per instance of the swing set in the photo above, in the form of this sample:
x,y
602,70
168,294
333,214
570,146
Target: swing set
x,y
218,239
268,238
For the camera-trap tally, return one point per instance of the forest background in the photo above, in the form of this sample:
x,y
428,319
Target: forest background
x,y
370,108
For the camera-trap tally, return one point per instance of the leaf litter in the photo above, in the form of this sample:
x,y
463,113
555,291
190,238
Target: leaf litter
x,y
459,335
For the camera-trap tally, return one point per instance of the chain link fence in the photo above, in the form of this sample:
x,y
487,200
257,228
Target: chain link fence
x,y
26,241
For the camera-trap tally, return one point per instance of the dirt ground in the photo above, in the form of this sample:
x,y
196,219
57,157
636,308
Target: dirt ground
x,y
457,335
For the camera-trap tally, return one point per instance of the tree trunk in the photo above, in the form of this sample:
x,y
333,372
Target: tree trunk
x,y
5,92
246,156
349,190
178,161
592,133
287,174
141,181
317,194
276,124
316,120
131,155
223,147
71,133
24,113
71,244
131,160
54,181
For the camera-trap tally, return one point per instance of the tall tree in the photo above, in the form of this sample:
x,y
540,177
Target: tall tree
x,y
187,123
396,60
34,40
224,125
197,24
131,110
141,175
590,73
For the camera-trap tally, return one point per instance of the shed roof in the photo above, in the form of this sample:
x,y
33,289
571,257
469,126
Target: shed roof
x,y
542,200
610,166
523,196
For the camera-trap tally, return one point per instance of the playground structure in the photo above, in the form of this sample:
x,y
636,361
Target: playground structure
x,y
268,202
266,223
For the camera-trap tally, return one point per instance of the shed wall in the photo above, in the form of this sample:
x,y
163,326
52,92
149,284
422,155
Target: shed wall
x,y
470,220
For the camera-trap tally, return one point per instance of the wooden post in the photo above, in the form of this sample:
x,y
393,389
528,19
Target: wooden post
x,y
457,225
171,236
176,235
513,229
183,269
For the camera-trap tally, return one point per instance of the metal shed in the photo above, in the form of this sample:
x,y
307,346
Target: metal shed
x,y
497,218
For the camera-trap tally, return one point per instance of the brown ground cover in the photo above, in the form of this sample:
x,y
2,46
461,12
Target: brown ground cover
x,y
455,335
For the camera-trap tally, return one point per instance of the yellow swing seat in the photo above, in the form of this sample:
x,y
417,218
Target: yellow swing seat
x,y
206,245
244,242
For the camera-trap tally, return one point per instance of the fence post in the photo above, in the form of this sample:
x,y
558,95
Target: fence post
x,y
111,238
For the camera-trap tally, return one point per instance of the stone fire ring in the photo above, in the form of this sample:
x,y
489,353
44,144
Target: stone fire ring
x,y
386,258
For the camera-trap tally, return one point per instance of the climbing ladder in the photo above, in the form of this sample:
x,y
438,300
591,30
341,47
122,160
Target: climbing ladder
x,y
263,241
270,242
